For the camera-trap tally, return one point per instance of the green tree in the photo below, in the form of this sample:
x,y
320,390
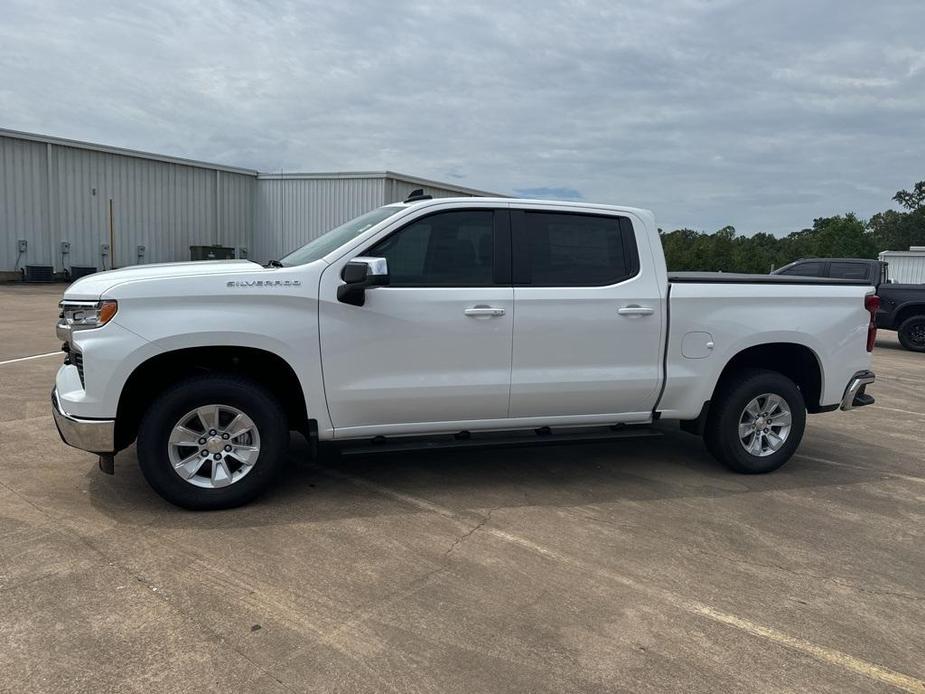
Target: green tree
x,y
914,200
842,236
845,236
896,231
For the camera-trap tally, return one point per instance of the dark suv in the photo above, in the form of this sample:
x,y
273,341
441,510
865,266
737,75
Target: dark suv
x,y
902,306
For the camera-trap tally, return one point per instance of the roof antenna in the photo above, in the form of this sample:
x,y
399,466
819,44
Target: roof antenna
x,y
418,194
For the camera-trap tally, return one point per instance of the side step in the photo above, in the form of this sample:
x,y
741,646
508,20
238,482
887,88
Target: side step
x,y
539,437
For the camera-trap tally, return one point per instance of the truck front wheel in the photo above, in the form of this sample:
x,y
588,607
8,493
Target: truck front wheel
x,y
912,334
756,421
212,442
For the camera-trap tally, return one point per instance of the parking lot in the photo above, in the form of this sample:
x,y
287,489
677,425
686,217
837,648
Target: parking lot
x,y
637,565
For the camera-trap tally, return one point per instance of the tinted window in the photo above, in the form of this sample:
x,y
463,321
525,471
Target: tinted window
x,y
576,249
450,249
805,270
853,271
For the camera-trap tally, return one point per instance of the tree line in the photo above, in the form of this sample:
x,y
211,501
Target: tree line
x,y
841,236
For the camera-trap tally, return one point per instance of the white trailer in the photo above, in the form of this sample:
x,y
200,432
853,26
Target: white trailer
x,y
906,267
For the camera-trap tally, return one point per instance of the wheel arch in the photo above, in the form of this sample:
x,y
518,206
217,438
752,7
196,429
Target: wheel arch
x,y
906,311
796,361
152,376
799,363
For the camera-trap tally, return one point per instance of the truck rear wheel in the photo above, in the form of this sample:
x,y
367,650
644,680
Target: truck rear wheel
x,y
912,334
756,421
212,442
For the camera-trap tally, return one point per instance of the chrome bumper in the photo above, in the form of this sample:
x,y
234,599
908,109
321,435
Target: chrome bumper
x,y
854,394
93,435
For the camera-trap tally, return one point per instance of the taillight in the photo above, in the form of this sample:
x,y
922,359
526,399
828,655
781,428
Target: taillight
x,y
872,304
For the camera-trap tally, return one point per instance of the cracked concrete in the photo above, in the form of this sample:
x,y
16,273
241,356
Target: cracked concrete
x,y
469,533
634,566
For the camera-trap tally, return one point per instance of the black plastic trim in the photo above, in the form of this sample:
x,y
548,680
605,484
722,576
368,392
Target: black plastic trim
x,y
502,267
667,343
819,409
520,249
699,425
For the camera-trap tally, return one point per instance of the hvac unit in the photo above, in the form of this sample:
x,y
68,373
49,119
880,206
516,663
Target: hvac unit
x,y
211,253
78,271
40,273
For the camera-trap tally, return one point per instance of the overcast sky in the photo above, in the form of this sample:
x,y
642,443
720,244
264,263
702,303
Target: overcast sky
x,y
759,114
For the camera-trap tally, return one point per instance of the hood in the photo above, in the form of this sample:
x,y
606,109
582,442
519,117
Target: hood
x,y
95,285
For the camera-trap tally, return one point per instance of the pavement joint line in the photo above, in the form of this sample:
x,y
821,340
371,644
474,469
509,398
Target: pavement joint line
x,y
34,356
896,475
896,409
821,653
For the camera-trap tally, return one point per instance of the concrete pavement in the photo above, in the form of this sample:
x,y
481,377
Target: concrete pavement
x,y
640,565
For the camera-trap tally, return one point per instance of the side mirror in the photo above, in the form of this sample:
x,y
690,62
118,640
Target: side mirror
x,y
360,274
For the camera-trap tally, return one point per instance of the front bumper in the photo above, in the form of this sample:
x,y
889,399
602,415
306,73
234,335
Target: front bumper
x,y
854,393
93,435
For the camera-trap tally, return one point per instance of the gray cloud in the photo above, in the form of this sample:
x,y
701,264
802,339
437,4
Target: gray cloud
x,y
711,112
549,193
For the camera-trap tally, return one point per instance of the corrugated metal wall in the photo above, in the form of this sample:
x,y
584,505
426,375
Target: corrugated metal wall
x,y
54,190
292,211
23,203
238,210
51,193
398,189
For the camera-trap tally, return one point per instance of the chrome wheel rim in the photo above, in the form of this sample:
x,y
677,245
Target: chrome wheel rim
x,y
213,446
764,425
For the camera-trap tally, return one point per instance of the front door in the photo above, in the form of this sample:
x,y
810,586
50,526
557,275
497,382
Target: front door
x,y
587,319
435,345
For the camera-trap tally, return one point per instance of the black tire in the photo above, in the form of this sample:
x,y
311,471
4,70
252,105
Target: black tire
x,y
165,412
912,334
726,410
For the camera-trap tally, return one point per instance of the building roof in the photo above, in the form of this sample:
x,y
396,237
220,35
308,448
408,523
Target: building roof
x,y
406,178
64,142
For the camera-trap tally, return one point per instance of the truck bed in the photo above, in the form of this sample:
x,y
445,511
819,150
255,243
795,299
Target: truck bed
x,y
744,278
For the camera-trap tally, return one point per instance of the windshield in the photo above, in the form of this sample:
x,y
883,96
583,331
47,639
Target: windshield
x,y
338,236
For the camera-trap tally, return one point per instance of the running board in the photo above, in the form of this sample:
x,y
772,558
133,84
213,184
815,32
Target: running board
x,y
463,439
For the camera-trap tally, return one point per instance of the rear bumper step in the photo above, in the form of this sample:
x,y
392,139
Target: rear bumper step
x,y
855,395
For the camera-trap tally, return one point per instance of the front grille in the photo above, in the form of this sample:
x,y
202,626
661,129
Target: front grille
x,y
77,359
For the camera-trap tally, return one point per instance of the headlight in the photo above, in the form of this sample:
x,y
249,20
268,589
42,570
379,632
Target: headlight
x,y
79,315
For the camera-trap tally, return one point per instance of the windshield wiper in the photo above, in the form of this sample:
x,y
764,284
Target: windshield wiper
x,y
274,263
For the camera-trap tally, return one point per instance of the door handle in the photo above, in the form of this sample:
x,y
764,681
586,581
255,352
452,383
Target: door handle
x,y
636,310
489,311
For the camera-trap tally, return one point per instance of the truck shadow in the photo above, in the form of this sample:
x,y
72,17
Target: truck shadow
x,y
675,466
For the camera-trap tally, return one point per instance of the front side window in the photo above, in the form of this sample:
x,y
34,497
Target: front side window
x,y
338,236
804,270
564,249
447,249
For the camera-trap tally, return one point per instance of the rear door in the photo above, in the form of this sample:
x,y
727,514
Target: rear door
x,y
852,270
587,318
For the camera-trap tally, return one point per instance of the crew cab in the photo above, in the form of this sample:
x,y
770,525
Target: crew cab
x,y
902,306
448,320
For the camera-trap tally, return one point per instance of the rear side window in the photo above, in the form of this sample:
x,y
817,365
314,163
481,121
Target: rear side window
x,y
555,249
805,270
851,271
448,249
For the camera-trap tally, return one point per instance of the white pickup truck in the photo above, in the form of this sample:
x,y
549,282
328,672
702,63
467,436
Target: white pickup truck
x,y
449,320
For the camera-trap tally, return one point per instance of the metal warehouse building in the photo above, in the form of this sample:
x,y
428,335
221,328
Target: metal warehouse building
x,y
67,204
